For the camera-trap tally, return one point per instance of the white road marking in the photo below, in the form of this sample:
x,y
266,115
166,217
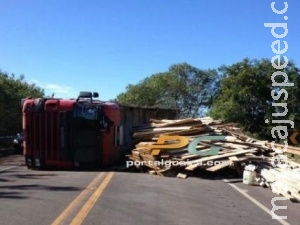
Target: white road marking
x,y
261,206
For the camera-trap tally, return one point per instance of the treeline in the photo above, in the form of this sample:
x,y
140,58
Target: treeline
x,y
12,90
242,93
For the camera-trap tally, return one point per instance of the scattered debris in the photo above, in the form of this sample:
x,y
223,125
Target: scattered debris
x,y
234,147
179,147
283,181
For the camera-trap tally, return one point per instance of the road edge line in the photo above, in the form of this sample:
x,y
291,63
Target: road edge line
x,y
257,203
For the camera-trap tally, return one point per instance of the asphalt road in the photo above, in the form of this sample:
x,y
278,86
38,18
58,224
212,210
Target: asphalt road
x,y
110,198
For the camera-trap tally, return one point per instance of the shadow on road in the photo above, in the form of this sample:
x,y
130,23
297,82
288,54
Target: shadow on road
x,y
12,195
4,180
39,187
19,194
32,176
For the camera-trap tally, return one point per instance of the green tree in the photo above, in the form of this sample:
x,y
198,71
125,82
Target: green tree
x,y
183,87
244,95
12,90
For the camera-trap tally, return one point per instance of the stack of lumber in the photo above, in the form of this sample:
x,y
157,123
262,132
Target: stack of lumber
x,y
235,149
284,181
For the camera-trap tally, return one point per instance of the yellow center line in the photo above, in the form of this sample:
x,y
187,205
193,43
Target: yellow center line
x,y
92,200
76,201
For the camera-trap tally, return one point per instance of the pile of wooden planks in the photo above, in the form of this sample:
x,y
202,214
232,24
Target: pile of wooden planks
x,y
284,181
235,148
165,148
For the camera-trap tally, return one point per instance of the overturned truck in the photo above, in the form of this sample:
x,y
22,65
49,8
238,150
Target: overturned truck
x,y
81,133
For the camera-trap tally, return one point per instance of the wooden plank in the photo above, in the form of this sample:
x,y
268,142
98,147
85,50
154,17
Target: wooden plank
x,y
220,166
152,172
290,149
182,122
233,158
189,132
182,175
194,163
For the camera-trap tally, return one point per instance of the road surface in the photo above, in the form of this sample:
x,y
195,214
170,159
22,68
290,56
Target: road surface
x,y
111,198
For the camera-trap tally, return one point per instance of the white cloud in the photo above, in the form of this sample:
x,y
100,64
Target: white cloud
x,y
60,91
58,88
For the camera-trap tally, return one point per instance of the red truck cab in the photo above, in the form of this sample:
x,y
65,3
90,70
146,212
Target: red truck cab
x,y
70,133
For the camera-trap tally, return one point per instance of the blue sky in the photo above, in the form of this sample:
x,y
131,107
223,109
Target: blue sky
x,y
65,46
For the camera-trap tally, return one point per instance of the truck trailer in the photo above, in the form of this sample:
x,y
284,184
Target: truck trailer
x,y
81,133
